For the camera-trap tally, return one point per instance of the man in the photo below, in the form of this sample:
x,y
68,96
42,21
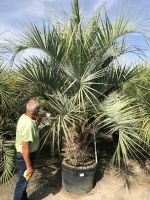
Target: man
x,y
27,143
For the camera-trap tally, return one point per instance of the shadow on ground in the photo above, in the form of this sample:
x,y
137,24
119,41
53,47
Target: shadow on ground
x,y
105,151
46,179
39,189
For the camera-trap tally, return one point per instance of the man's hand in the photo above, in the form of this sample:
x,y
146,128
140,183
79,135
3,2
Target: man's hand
x,y
38,120
29,171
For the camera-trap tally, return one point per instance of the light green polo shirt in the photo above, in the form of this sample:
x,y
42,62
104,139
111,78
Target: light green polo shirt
x,y
27,131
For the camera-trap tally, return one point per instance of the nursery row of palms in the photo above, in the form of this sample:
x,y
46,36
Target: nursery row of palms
x,y
78,79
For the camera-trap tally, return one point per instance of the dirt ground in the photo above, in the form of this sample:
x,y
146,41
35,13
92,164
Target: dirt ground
x,y
45,184
110,184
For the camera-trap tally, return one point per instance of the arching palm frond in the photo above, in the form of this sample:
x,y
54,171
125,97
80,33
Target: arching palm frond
x,y
66,38
46,39
145,129
9,106
7,150
102,35
66,113
121,116
76,12
8,95
116,76
43,75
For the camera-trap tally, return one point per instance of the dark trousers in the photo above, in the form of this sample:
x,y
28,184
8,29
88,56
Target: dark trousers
x,y
21,186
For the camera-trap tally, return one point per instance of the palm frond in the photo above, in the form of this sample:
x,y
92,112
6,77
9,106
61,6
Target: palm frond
x,y
66,114
145,129
43,76
8,94
7,164
76,12
48,40
116,76
120,116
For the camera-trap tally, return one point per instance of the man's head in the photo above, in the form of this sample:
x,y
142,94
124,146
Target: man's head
x,y
32,107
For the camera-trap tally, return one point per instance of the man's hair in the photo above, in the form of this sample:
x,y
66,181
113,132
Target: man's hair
x,y
32,106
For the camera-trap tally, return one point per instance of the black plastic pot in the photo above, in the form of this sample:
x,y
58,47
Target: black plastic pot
x,y
78,180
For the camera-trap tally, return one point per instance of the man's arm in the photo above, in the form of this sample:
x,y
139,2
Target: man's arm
x,y
26,156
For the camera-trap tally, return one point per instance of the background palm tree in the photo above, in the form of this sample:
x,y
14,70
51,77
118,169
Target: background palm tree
x,y
9,109
7,123
139,87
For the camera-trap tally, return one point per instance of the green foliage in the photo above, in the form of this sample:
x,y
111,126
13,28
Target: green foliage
x,y
76,77
139,87
78,70
8,115
120,115
9,93
7,153
5,91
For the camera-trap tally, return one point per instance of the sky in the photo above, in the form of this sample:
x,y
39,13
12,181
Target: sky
x,y
14,15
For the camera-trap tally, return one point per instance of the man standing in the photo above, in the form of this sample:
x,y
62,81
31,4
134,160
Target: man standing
x,y
27,143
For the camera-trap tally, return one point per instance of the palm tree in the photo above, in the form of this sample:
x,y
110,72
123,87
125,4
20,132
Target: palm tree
x,y
139,86
9,107
79,80
8,98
